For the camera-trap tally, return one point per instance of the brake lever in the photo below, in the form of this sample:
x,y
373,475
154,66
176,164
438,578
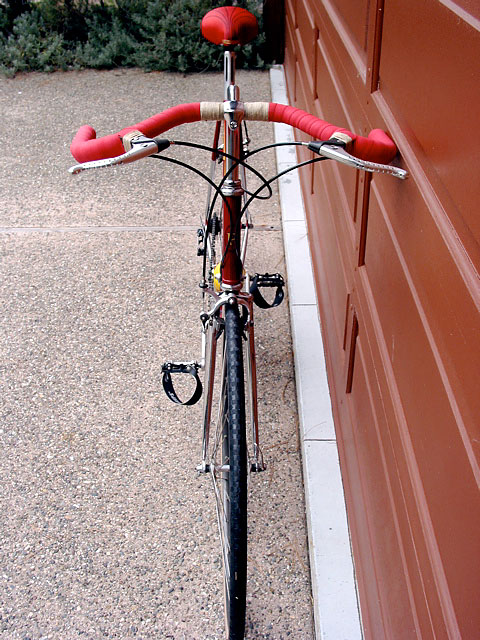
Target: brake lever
x,y
141,147
336,152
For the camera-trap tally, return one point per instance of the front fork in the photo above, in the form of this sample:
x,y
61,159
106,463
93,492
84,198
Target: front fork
x,y
212,329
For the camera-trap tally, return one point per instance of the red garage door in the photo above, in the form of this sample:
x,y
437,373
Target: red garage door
x,y
397,273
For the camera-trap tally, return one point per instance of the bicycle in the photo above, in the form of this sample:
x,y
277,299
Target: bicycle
x,y
228,292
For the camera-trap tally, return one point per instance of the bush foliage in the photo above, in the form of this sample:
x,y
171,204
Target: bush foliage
x,y
155,35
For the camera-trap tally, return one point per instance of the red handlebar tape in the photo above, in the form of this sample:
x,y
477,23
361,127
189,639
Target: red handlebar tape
x,y
377,147
86,147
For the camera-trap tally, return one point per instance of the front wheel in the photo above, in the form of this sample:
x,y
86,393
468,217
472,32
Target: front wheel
x,y
230,474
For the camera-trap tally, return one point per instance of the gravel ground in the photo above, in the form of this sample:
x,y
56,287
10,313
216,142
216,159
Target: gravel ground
x,y
106,530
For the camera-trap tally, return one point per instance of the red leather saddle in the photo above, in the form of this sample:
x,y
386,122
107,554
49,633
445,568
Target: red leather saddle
x,y
229,26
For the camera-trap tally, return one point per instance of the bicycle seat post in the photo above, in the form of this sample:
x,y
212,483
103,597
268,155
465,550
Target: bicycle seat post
x,y
233,110
229,68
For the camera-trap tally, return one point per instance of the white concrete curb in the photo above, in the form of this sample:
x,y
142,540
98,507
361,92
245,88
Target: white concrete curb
x,y
336,607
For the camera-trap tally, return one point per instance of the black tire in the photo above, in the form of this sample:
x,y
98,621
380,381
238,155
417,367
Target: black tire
x,y
234,481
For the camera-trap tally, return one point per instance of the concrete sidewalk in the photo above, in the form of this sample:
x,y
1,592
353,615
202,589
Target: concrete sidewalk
x,y
336,608
106,531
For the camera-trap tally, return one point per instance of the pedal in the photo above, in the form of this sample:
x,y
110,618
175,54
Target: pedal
x,y
189,368
261,280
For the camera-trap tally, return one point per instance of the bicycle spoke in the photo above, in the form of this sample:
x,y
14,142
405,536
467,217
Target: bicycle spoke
x,y
221,521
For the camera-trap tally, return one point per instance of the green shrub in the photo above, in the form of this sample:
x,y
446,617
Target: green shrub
x,y
150,34
169,37
4,20
105,48
67,17
31,47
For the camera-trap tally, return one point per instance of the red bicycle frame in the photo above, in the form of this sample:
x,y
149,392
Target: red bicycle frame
x,y
231,268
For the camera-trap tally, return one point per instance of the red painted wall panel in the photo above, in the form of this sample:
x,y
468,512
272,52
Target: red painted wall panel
x,y
396,267
439,108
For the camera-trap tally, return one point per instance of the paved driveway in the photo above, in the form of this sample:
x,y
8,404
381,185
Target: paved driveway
x,y
106,531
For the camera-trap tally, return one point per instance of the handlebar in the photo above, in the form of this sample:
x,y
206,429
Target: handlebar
x,y
377,147
370,153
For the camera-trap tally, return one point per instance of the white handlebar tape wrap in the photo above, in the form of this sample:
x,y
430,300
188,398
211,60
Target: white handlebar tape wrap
x,y
128,139
343,137
253,111
256,111
211,110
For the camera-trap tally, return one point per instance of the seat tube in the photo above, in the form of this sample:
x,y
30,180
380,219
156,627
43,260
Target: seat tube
x,y
232,268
